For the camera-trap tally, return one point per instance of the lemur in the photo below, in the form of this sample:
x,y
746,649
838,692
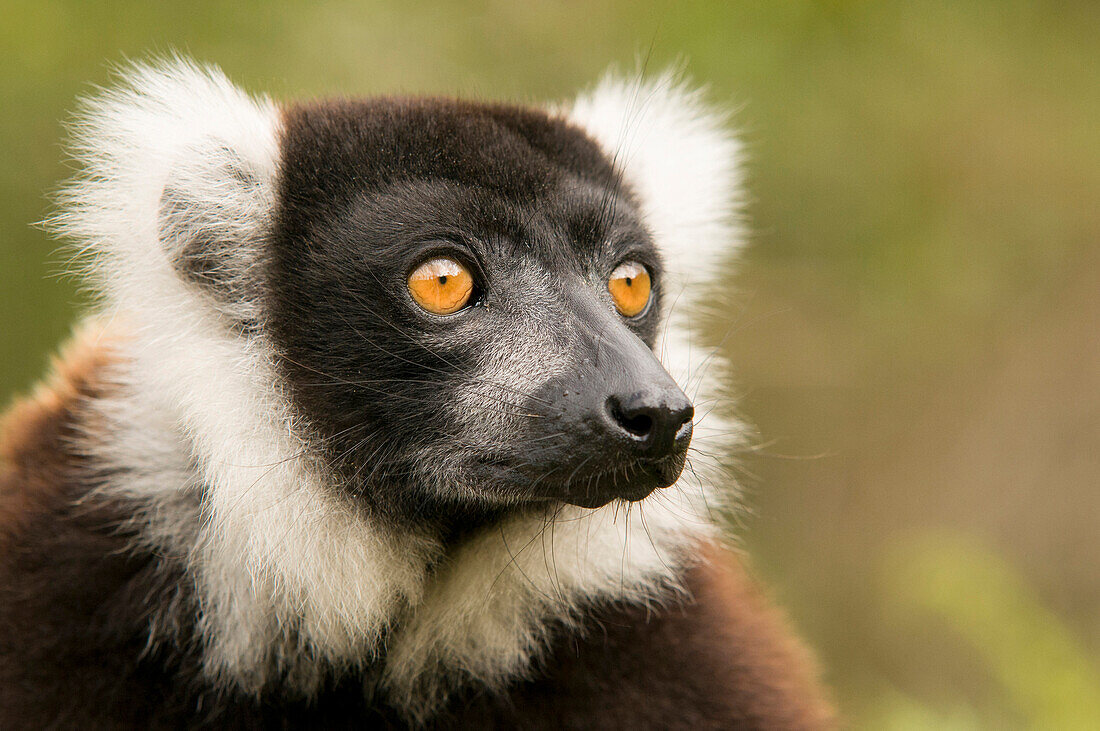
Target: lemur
x,y
370,426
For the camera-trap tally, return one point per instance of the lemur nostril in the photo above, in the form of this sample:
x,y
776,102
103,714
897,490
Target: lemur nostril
x,y
639,425
684,415
634,421
654,422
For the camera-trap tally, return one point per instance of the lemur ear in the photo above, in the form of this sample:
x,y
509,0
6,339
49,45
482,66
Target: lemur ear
x,y
211,222
176,188
682,161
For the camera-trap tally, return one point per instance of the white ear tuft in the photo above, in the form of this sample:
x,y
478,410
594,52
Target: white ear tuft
x,y
681,160
177,183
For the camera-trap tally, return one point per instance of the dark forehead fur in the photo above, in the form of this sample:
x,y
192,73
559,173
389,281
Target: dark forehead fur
x,y
335,150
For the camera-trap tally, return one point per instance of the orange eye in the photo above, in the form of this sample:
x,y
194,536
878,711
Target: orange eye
x,y
629,286
441,286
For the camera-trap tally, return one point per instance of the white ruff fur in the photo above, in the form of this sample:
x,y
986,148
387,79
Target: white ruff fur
x,y
292,577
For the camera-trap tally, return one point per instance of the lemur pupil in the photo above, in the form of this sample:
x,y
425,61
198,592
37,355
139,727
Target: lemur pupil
x,y
443,279
629,281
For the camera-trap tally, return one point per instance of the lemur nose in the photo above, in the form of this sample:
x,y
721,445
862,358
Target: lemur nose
x,y
653,422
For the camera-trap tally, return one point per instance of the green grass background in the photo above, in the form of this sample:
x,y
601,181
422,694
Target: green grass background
x,y
916,327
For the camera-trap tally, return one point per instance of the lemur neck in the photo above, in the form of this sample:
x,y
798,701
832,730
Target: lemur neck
x,y
458,527
298,582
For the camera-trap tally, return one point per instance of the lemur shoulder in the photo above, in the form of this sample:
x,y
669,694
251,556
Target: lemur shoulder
x,y
369,427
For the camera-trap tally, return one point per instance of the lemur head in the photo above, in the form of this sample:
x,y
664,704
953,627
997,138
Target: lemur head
x,y
461,300
464,299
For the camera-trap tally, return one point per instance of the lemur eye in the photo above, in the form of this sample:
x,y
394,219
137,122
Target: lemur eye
x,y
441,286
629,286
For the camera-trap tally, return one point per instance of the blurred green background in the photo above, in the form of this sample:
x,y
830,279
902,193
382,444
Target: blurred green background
x,y
915,329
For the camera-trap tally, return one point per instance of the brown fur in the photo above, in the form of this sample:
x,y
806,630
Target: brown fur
x,y
75,603
35,433
69,647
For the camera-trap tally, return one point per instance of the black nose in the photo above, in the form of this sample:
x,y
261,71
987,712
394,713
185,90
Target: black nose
x,y
652,421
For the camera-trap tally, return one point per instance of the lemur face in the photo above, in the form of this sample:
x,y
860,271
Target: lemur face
x,y
463,301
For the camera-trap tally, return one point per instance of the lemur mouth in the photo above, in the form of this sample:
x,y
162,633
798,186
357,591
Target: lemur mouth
x,y
591,484
631,482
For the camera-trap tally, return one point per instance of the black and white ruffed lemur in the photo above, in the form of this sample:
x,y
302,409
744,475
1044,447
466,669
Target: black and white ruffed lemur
x,y
370,430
